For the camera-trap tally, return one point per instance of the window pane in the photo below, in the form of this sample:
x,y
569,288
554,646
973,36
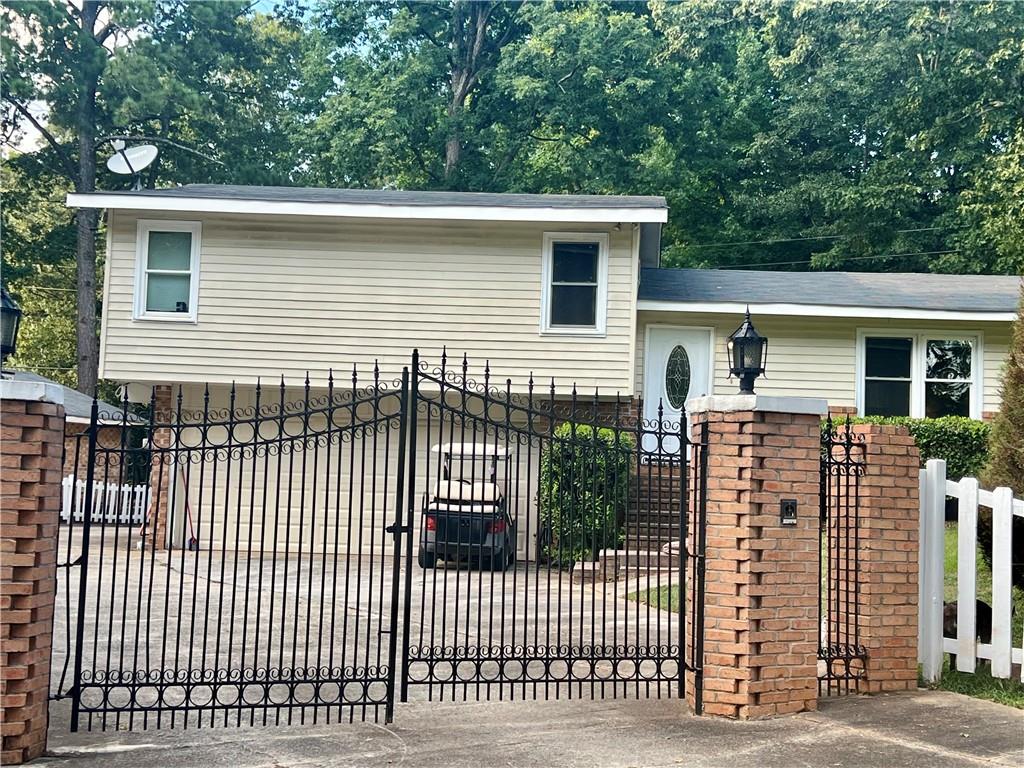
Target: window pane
x,y
170,250
165,292
949,359
574,305
889,358
941,399
886,398
574,262
677,377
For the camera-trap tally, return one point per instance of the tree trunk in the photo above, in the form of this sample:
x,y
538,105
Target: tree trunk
x,y
86,220
452,150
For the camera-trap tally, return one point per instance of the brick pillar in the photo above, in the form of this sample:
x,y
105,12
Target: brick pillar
x,y
160,470
761,596
32,419
888,557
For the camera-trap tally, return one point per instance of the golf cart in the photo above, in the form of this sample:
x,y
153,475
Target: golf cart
x,y
465,518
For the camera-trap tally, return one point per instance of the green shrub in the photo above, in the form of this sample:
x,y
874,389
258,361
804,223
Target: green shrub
x,y
1006,448
1006,444
962,442
584,482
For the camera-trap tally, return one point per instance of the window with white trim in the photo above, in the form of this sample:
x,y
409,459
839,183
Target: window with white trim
x,y
167,270
919,374
575,287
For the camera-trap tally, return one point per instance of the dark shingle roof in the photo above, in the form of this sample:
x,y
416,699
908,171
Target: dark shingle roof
x,y
77,405
880,290
396,197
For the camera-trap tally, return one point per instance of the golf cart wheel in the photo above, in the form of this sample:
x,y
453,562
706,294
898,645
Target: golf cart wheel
x,y
427,560
499,563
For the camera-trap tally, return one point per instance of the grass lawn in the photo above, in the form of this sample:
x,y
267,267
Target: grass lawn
x,y
983,581
666,598
980,684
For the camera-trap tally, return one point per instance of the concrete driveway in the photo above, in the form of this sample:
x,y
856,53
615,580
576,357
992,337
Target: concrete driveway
x,y
921,730
158,619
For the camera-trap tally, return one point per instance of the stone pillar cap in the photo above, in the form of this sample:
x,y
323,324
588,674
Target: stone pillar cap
x,y
817,406
31,391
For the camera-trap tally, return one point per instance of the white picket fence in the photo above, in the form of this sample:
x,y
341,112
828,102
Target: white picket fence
x,y
1005,650
111,502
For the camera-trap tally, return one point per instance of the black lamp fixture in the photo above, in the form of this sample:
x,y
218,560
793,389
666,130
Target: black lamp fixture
x,y
747,350
10,320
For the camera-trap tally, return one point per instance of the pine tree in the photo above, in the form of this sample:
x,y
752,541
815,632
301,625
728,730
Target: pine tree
x,y
1006,448
1006,443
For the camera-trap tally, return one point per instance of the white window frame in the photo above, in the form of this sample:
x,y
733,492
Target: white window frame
x,y
919,363
145,226
547,269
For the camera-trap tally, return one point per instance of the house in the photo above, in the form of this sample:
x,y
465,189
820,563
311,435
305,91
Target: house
x,y
77,412
210,284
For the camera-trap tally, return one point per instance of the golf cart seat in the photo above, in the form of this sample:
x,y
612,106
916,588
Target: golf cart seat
x,y
464,491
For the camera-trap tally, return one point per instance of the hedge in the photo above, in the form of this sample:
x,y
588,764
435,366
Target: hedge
x,y
583,490
962,442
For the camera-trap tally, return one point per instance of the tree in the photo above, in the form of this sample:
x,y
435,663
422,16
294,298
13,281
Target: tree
x,y
390,88
1006,448
846,131
1006,444
149,69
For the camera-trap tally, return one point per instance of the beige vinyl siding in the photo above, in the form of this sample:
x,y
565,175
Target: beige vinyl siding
x,y
334,490
287,295
817,356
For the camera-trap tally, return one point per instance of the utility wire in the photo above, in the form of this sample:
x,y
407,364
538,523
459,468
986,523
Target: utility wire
x,y
852,258
797,239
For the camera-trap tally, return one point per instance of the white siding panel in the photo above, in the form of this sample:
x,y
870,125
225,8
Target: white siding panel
x,y
292,294
817,357
336,492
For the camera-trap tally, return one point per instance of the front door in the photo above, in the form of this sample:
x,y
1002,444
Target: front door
x,y
677,367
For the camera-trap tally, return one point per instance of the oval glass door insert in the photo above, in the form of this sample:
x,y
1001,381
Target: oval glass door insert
x,y
677,377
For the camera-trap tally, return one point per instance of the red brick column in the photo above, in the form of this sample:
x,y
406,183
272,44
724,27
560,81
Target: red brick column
x,y
32,422
761,595
160,470
888,557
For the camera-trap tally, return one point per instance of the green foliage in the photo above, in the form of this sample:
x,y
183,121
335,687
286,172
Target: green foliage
x,y
584,487
1006,442
666,598
882,136
962,442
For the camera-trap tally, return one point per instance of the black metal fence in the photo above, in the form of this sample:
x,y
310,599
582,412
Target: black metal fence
x,y
841,654
313,554
541,571
259,588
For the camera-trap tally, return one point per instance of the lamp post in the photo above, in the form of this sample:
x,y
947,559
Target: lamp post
x,y
747,350
10,321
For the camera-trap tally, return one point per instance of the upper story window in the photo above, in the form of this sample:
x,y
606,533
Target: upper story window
x,y
920,374
575,289
167,270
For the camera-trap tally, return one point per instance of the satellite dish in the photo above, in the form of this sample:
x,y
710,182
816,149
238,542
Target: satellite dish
x,y
132,161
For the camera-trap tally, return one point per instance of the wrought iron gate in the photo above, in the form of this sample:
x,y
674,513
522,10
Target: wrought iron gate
x,y
511,545
263,584
548,530
841,654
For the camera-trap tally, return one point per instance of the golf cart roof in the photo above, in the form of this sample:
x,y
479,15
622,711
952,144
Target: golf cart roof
x,y
465,492
472,450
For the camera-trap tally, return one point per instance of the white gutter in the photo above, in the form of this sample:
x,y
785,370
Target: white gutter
x,y
820,310
367,210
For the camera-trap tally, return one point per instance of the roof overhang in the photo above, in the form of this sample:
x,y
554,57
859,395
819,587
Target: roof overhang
x,y
822,310
181,204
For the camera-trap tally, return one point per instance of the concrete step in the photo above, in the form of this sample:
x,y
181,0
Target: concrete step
x,y
617,565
